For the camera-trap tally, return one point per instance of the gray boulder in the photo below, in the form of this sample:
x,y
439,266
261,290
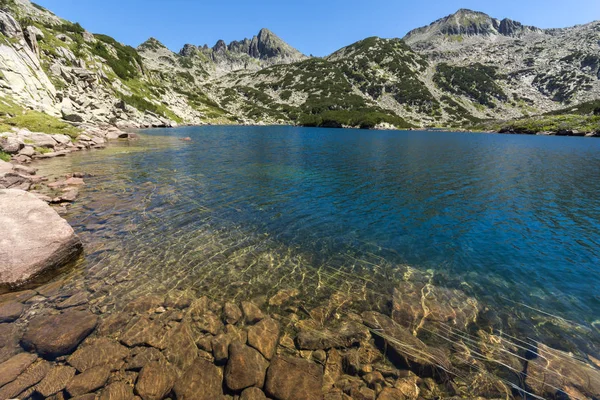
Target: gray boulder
x,y
36,239
11,145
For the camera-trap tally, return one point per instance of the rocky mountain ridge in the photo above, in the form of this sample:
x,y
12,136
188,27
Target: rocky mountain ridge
x,y
460,70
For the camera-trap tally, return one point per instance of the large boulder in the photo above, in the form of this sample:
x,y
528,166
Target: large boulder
x,y
35,239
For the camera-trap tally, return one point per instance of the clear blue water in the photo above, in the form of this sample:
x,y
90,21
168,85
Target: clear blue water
x,y
512,220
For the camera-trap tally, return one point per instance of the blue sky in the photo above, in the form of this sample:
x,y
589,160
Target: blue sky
x,y
316,27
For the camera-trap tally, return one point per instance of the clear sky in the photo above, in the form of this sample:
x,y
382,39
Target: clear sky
x,y
316,27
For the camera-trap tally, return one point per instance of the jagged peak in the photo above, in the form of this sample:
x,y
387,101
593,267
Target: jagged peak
x,y
264,45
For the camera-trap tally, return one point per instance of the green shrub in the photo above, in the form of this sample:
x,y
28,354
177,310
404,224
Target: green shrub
x,y
126,65
476,81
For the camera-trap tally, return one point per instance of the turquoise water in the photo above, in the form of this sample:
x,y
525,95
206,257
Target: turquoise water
x,y
513,221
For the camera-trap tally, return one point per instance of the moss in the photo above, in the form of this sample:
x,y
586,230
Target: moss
x,y
39,122
4,156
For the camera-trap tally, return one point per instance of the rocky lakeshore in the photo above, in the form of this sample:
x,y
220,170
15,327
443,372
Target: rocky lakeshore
x,y
37,240
57,344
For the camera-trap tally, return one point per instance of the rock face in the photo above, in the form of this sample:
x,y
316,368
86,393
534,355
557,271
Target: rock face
x,y
56,335
35,240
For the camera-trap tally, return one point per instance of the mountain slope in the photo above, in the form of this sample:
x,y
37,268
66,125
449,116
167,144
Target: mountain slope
x,y
460,70
541,70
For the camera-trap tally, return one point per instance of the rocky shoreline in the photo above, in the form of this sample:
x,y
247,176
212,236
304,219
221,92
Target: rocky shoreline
x,y
56,344
60,341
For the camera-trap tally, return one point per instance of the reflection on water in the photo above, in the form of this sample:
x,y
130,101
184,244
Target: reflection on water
x,y
509,222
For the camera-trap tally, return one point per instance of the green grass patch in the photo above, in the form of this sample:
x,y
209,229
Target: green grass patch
x,y
4,156
37,121
42,150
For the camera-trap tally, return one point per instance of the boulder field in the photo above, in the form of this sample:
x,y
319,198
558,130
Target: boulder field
x,y
35,238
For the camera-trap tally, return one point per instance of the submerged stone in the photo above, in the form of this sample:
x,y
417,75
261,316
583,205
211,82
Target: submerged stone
x,y
88,381
117,391
10,369
100,352
553,370
32,375
201,381
264,337
56,335
56,380
10,311
294,379
155,381
246,367
402,346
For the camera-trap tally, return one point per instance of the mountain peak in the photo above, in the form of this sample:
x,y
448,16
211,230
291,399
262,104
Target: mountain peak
x,y
266,45
152,44
465,22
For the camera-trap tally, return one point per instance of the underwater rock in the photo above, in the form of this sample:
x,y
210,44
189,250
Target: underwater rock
x,y
56,335
283,296
246,367
145,332
55,381
252,313
294,379
101,351
405,347
143,356
232,313
415,304
181,348
10,311
202,381
553,370
155,381
117,391
346,335
89,381
32,375
264,337
13,367
253,393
